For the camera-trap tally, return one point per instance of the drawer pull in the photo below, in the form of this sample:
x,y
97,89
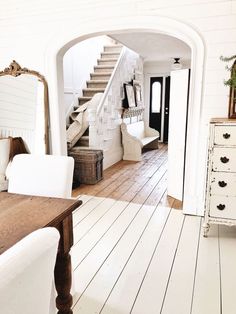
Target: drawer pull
x,y
224,159
226,135
222,184
221,206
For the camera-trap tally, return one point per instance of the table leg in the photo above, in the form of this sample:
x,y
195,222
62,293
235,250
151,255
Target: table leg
x,y
62,273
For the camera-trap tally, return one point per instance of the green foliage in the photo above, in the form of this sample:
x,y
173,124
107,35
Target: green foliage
x,y
232,81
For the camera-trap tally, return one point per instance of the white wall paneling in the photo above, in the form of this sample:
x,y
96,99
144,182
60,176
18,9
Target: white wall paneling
x,y
37,34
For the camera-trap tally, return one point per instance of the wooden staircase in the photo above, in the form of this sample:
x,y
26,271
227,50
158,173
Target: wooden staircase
x,y
102,73
99,80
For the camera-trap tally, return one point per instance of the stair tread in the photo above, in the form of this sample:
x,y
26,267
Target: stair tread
x,y
108,53
84,137
85,97
102,66
97,81
80,147
113,46
91,89
107,59
102,73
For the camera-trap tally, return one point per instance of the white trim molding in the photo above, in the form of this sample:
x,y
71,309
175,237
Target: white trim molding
x,y
194,182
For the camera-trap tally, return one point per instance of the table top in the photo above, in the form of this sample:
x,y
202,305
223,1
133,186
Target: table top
x,y
23,214
222,120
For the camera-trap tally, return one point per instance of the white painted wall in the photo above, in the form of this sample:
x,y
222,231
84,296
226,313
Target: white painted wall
x,y
33,32
78,63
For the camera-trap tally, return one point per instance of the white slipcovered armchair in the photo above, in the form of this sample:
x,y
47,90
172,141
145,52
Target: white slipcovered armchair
x,y
41,175
26,272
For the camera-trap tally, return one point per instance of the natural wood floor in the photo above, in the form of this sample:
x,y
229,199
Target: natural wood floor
x,y
138,182
135,252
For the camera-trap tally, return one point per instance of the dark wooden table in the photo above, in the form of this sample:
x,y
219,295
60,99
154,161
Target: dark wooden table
x,y
22,214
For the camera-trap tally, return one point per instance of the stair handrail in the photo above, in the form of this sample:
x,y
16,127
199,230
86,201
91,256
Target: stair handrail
x,y
105,93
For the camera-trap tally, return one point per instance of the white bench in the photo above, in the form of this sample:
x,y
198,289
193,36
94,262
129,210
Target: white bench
x,y
134,137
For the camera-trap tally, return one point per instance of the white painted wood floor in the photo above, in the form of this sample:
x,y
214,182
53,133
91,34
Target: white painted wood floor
x,y
135,252
144,259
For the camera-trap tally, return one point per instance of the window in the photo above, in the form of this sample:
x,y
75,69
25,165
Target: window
x,y
156,97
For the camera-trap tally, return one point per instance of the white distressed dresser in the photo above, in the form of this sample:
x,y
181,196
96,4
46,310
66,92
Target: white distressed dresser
x,y
220,204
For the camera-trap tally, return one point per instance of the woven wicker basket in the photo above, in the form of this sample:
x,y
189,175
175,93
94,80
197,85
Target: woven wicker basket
x,y
88,165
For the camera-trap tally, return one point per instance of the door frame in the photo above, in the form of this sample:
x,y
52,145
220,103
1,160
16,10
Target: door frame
x,y
162,103
147,88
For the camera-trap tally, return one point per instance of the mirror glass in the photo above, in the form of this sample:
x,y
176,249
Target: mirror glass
x,y
24,107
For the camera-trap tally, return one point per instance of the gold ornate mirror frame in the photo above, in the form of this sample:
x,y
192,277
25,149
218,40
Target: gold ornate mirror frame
x,y
15,70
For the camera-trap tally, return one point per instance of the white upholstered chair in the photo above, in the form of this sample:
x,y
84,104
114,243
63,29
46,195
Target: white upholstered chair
x,y
26,272
41,175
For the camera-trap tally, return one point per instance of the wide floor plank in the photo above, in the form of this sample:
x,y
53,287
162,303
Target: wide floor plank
x,y
86,209
152,290
207,289
120,299
87,224
88,267
82,248
178,296
227,241
111,268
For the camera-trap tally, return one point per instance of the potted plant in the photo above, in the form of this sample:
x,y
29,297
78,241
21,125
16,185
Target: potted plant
x,y
232,83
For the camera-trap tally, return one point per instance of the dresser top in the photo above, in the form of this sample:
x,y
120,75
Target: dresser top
x,y
222,120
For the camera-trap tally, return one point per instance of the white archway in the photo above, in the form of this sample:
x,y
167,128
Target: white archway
x,y
74,33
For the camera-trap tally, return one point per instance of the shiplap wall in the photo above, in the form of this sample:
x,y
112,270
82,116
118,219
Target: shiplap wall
x,y
28,27
18,100
31,29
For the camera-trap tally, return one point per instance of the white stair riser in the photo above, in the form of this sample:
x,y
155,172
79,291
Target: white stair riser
x,y
104,69
112,49
106,62
109,55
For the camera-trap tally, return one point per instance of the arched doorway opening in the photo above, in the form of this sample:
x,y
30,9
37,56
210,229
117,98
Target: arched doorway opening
x,y
195,157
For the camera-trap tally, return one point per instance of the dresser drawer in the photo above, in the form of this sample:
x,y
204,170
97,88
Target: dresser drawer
x,y
224,159
223,183
223,207
225,135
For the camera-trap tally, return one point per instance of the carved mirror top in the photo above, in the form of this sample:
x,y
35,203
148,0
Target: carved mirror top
x,y
16,70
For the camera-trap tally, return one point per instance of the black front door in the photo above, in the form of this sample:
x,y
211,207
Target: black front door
x,y
155,116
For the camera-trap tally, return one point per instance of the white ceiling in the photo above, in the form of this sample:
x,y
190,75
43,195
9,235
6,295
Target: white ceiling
x,y
154,46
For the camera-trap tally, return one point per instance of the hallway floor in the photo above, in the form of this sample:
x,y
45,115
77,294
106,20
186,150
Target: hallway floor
x,y
135,252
